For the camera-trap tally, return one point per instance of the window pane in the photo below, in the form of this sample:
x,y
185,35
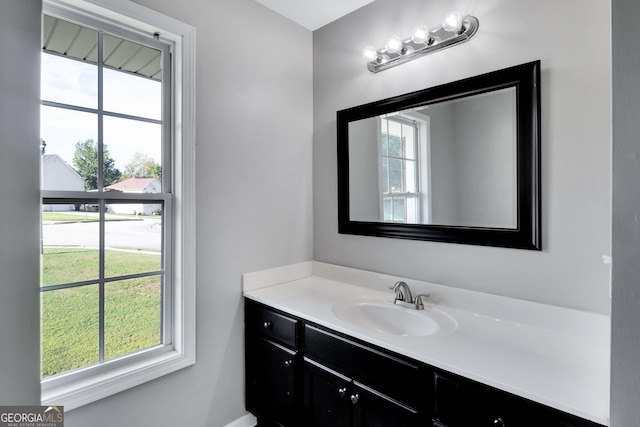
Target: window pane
x,y
387,209
131,57
384,142
408,133
70,242
69,82
70,156
133,238
135,149
134,95
399,209
395,139
395,176
132,315
69,328
385,175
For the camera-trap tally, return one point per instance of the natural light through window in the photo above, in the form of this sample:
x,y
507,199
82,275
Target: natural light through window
x,y
105,290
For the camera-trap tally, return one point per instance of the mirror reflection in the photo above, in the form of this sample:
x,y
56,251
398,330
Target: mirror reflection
x,y
449,163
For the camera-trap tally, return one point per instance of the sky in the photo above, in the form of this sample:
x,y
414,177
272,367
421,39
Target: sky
x,y
73,82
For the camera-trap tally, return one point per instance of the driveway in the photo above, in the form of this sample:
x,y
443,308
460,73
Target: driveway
x,y
145,234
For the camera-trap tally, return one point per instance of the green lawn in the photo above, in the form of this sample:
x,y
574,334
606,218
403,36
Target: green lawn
x,y
70,316
65,265
68,217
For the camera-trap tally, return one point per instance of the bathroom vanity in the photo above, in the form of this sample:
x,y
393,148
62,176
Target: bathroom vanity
x,y
314,358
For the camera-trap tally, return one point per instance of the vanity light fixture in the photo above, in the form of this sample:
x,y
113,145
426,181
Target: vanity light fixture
x,y
456,29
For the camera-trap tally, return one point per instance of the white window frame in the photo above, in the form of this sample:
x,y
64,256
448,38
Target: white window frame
x,y
400,118
97,382
422,123
424,160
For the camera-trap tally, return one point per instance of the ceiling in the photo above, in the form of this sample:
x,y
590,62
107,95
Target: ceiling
x,y
313,14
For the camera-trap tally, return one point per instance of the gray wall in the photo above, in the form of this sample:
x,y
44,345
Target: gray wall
x,y
576,138
254,147
625,316
485,159
20,199
444,177
364,191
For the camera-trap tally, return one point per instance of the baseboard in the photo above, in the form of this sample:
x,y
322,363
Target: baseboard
x,y
248,420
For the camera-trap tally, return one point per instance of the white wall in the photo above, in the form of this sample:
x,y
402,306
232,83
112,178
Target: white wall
x,y
254,207
625,317
19,208
576,142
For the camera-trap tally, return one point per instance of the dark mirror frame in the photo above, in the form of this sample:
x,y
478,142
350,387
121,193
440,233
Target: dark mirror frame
x,y
526,79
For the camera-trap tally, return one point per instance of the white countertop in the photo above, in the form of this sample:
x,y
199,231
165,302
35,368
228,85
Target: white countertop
x,y
555,356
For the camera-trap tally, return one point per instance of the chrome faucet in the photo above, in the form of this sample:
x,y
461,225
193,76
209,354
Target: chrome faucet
x,y
405,298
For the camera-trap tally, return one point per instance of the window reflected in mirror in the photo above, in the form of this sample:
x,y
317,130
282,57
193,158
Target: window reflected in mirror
x,y
447,163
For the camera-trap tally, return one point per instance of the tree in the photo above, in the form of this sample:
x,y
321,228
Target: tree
x,y
142,166
85,160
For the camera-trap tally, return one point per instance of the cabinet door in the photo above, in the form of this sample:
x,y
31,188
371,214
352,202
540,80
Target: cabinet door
x,y
326,397
271,381
373,409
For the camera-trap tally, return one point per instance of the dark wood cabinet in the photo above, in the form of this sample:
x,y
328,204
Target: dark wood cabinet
x,y
327,396
460,402
272,367
271,381
375,409
299,374
333,399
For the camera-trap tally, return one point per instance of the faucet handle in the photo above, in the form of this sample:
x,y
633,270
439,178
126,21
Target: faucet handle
x,y
418,301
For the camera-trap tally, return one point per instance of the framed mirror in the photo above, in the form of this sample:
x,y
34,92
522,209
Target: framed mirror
x,y
455,163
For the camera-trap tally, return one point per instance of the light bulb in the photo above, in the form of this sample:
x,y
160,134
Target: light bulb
x,y
370,53
452,22
420,34
394,45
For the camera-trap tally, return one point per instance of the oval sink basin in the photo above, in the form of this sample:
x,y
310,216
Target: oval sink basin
x,y
389,318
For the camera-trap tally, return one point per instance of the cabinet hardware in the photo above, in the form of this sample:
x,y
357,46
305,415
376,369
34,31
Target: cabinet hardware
x,y
267,325
342,391
498,422
355,398
288,363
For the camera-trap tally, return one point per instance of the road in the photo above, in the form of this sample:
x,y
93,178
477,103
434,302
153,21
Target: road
x,y
145,234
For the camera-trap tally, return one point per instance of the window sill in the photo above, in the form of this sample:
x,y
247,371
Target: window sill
x,y
99,386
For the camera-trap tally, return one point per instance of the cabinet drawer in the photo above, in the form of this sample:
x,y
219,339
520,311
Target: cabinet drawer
x,y
274,325
384,372
460,404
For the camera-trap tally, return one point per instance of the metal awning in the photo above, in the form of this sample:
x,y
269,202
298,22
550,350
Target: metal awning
x,y
74,41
